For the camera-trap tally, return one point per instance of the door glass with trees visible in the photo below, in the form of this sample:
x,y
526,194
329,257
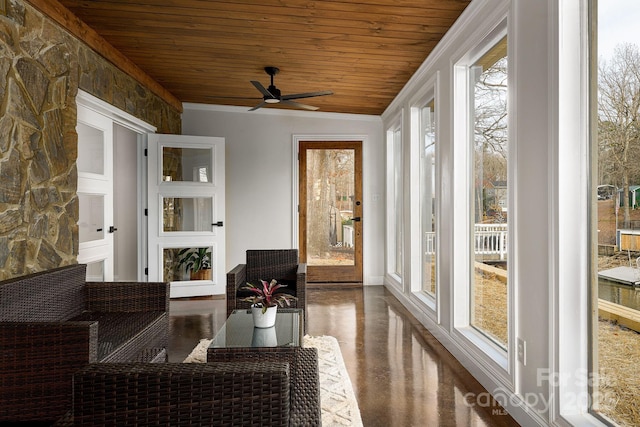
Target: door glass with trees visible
x,y
331,210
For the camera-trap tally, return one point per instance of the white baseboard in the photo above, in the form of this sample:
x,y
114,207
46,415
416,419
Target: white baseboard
x,y
374,281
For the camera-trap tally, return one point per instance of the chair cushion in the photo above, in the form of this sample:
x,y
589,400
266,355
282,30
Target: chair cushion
x,y
115,329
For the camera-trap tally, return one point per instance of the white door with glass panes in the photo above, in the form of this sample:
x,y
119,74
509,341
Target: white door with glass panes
x,y
95,194
186,214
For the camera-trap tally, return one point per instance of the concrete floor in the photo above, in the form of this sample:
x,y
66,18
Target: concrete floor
x,y
401,374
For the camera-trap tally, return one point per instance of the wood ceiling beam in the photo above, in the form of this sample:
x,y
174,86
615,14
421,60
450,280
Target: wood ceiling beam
x,y
56,11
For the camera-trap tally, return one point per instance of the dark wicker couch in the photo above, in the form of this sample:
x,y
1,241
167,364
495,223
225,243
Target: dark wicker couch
x,y
267,264
53,323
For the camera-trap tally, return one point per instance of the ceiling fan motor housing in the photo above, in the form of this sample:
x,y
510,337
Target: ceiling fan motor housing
x,y
276,95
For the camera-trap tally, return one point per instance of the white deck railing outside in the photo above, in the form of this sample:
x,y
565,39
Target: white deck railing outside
x,y
489,239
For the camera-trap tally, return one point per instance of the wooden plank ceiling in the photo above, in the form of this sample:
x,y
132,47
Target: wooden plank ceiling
x,y
208,51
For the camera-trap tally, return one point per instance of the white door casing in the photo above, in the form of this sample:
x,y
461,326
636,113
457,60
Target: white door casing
x,y
97,168
185,199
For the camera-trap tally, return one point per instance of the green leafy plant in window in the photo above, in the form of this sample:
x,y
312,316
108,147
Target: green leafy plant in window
x,y
196,261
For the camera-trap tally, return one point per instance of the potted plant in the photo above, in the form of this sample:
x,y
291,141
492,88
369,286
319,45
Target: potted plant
x,y
265,302
197,261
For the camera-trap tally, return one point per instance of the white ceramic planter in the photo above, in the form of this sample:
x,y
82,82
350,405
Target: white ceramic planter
x,y
264,320
264,337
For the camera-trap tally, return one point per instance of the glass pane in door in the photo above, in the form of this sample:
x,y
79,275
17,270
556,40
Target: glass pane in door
x,y
187,164
95,271
187,213
91,152
187,263
330,207
91,223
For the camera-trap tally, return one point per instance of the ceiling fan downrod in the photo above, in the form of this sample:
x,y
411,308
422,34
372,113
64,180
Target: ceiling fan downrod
x,y
273,90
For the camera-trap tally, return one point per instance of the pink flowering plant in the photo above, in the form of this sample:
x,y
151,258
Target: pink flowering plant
x,y
265,296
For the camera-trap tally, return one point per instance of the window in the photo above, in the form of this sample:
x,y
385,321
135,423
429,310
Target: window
x,y
615,343
489,182
428,147
395,203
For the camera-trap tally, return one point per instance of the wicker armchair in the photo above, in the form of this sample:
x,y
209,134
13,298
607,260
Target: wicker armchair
x,y
267,264
53,323
239,393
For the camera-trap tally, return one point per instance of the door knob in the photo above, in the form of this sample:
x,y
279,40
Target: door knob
x,y
357,218
112,229
217,224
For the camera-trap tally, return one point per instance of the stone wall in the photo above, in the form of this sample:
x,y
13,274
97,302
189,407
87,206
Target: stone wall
x,y
41,69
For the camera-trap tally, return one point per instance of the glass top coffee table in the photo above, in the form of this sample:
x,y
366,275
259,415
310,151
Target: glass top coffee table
x,y
238,332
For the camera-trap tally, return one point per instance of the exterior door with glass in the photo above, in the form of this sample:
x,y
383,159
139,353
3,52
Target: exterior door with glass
x,y
330,211
186,213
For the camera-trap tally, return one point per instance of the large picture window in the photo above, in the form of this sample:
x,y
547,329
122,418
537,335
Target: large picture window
x,y
489,181
615,206
395,203
428,194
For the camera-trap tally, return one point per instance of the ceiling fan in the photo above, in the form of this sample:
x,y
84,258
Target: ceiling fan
x,y
272,94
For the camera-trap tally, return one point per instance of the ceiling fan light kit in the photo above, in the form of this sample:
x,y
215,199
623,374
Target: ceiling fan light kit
x,y
272,94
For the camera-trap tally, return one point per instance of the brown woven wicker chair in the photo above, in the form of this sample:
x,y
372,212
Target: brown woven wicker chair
x,y
53,323
259,392
267,264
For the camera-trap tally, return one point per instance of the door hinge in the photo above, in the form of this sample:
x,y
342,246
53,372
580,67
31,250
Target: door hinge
x,y
146,212
146,271
146,152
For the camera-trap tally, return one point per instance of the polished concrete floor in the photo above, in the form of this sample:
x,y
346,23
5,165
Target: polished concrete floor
x,y
400,373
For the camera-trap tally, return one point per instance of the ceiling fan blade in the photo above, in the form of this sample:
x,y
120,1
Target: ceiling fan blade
x,y
307,95
262,104
231,97
262,89
298,105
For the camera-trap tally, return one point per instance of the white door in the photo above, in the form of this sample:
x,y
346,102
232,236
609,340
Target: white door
x,y
186,213
95,194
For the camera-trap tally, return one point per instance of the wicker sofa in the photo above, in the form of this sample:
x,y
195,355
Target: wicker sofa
x,y
267,264
53,323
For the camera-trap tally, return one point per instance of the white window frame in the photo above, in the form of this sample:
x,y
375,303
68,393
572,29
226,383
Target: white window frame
x,y
392,215
430,92
570,270
493,355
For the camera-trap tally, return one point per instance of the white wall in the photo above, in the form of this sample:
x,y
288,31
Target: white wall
x,y
259,174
